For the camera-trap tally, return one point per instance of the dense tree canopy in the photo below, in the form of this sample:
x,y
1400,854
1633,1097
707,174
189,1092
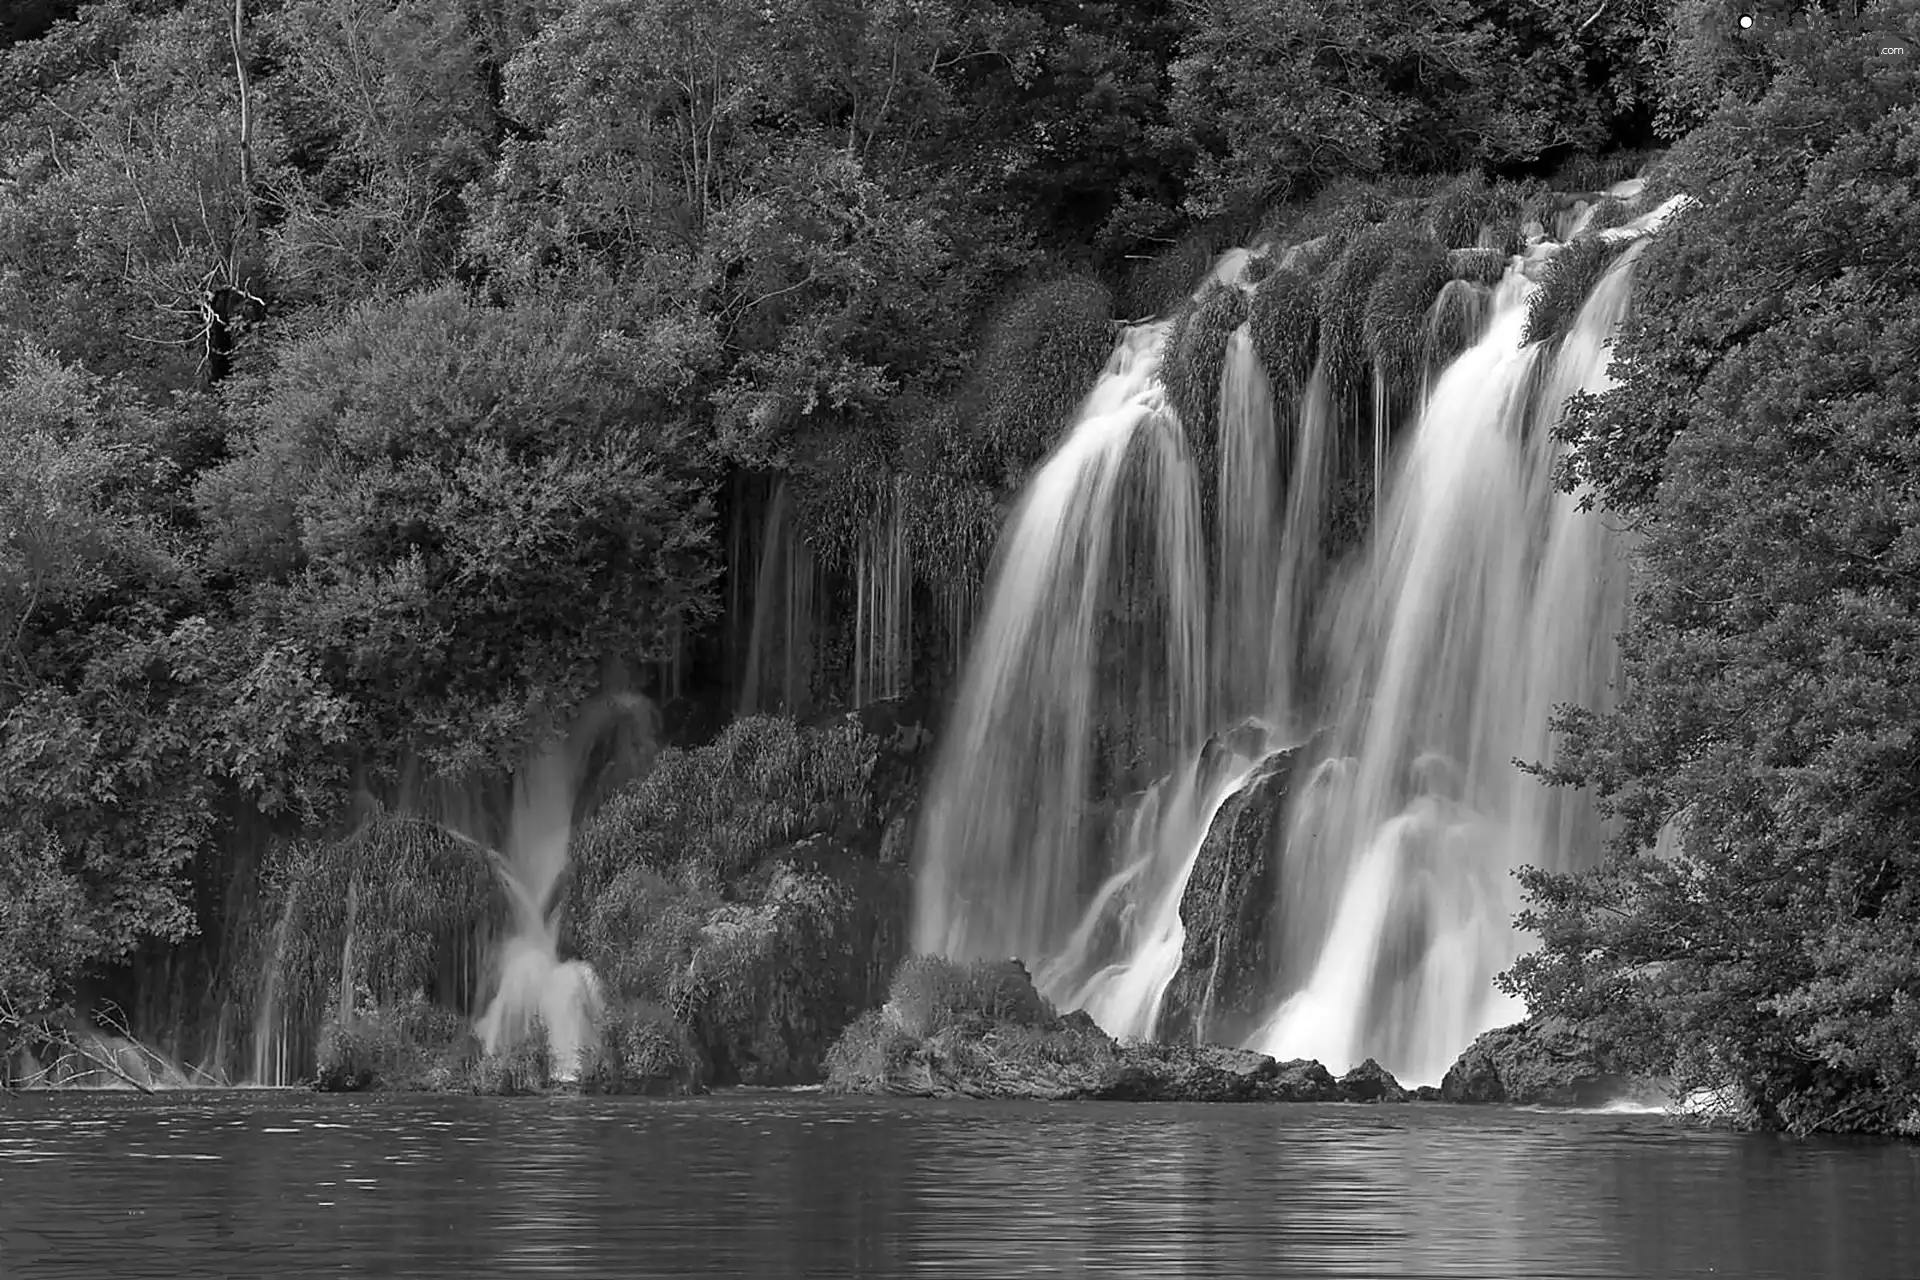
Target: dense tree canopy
x,y
1761,923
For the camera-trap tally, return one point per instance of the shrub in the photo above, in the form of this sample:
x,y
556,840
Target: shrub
x,y
1284,322
870,1053
1158,284
1477,266
1393,326
761,983
769,983
404,888
640,1049
764,783
1195,354
839,481
1610,213
931,993
954,525
1454,324
1589,172
641,930
1343,292
1565,284
525,1068
1040,357
411,1045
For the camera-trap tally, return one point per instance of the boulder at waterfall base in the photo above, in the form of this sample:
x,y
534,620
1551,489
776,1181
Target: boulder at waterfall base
x,y
1539,1062
1225,962
981,1030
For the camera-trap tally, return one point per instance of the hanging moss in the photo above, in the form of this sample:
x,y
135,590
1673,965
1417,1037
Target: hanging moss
x,y
1454,322
1565,284
1343,293
1196,352
1155,286
1393,327
933,440
951,528
1040,358
1459,212
401,885
1283,320
1477,266
838,481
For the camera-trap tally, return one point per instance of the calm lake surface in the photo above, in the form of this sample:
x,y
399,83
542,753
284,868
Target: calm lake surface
x,y
286,1184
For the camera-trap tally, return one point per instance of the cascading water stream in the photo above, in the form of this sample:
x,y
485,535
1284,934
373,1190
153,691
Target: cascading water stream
x,y
1484,599
1005,834
1487,599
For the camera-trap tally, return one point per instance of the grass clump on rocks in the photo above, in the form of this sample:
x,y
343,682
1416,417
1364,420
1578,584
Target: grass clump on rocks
x,y
1196,353
1393,326
1283,319
1565,284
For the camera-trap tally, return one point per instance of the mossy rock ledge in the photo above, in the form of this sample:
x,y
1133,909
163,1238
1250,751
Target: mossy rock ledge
x,y
1027,1051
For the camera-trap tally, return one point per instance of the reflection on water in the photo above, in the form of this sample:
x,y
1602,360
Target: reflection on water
x,y
800,1185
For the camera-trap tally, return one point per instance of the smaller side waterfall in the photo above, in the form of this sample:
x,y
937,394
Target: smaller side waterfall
x,y
530,980
779,661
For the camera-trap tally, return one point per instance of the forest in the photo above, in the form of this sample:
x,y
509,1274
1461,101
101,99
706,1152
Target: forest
x,y
389,382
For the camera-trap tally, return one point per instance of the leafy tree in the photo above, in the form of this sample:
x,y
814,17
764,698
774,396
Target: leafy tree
x,y
126,229
387,119
1756,924
460,512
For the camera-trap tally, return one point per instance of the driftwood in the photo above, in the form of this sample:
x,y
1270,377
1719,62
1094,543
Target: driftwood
x,y
40,1036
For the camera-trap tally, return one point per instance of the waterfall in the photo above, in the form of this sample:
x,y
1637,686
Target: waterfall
x,y
1108,526
779,662
1487,599
883,605
1426,663
1250,541
1302,555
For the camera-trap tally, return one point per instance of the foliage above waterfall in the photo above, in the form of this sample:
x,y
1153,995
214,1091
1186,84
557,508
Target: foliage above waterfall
x,y
1196,352
1038,360
1565,284
452,512
1283,319
1756,928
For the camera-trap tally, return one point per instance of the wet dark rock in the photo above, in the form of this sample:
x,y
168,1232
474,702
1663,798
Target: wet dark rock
x,y
1539,1062
1427,1093
1225,978
1029,1052
1371,1082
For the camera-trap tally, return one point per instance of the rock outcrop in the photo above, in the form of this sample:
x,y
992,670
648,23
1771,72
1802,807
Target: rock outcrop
x,y
1225,979
1539,1062
948,1048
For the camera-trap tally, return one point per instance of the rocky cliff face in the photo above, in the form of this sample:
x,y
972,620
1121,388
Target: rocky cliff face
x,y
1224,978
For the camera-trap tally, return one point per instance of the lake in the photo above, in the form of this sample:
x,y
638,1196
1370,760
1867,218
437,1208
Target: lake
x,y
796,1184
